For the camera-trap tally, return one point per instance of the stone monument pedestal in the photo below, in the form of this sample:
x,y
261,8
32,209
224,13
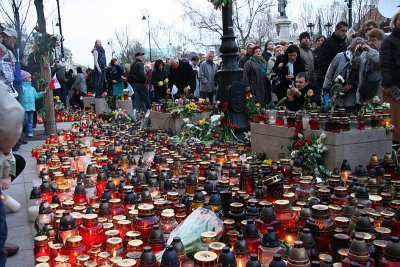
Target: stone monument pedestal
x,y
125,105
282,23
101,106
355,146
88,103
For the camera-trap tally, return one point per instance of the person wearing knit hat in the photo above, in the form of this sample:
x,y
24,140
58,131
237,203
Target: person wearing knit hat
x,y
25,75
28,102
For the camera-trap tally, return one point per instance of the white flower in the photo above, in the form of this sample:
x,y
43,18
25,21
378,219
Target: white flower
x,y
247,136
176,101
339,79
189,125
386,105
300,135
322,136
186,120
376,100
215,119
293,154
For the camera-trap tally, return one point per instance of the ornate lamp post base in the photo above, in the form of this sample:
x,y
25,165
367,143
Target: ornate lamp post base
x,y
230,75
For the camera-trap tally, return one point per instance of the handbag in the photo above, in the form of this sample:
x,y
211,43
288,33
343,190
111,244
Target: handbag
x,y
368,88
276,79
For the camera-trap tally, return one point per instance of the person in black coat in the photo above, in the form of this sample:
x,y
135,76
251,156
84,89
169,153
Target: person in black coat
x,y
137,78
335,44
268,50
114,77
288,66
182,75
390,69
249,54
295,95
76,100
390,56
160,81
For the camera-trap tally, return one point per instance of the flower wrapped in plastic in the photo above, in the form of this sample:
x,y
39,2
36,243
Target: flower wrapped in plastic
x,y
199,221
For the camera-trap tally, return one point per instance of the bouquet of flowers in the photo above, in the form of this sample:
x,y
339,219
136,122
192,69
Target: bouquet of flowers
x,y
309,105
117,115
58,105
310,151
186,110
337,92
373,104
253,108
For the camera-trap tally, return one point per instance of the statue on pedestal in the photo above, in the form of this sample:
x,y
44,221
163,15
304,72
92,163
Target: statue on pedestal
x,y
281,7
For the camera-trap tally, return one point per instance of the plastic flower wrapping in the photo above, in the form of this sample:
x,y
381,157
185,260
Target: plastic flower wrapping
x,y
199,221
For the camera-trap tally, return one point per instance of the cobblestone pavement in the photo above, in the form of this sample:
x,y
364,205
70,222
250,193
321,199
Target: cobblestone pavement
x,y
20,230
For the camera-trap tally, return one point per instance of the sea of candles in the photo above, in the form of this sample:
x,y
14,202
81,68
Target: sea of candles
x,y
119,180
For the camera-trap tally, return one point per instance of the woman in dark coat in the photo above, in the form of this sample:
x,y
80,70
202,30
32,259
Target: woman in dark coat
x,y
114,77
159,80
390,68
255,76
288,66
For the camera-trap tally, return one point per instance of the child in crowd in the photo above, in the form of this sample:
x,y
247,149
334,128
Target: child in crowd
x,y
28,102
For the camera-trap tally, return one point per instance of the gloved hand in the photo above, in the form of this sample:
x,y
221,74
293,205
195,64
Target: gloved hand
x,y
5,170
5,183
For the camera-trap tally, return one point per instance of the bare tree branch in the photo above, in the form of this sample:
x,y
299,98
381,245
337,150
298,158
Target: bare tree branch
x,y
126,47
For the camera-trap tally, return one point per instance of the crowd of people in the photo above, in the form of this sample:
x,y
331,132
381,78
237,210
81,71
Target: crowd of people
x,y
369,63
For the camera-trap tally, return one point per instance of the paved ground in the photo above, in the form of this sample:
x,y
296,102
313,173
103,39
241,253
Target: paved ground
x,y
20,231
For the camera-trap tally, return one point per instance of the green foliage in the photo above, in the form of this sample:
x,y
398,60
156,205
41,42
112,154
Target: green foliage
x,y
111,102
44,44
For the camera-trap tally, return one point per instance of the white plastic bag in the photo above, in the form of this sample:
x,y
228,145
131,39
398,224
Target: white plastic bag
x,y
130,90
199,221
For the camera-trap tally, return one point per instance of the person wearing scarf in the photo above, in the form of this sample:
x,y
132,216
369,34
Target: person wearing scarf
x,y
255,77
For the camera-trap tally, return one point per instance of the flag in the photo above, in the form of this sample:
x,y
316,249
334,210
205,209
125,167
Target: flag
x,y
54,84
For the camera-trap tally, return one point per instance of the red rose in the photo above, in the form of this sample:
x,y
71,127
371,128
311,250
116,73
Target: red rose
x,y
300,143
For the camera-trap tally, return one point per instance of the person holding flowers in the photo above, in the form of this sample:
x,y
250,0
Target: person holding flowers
x,y
160,81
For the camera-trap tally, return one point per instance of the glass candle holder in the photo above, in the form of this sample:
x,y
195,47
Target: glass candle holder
x,y
41,246
74,247
91,231
114,247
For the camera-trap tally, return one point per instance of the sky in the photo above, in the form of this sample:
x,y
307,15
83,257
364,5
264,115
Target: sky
x,y
84,21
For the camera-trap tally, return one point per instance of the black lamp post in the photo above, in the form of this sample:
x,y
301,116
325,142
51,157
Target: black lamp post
x,y
61,35
328,28
319,25
310,27
146,16
350,7
231,87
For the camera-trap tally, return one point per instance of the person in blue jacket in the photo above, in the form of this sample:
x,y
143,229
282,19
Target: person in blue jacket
x,y
28,102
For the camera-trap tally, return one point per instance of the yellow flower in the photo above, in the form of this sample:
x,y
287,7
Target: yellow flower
x,y
268,162
191,107
202,121
183,134
166,80
310,93
160,83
